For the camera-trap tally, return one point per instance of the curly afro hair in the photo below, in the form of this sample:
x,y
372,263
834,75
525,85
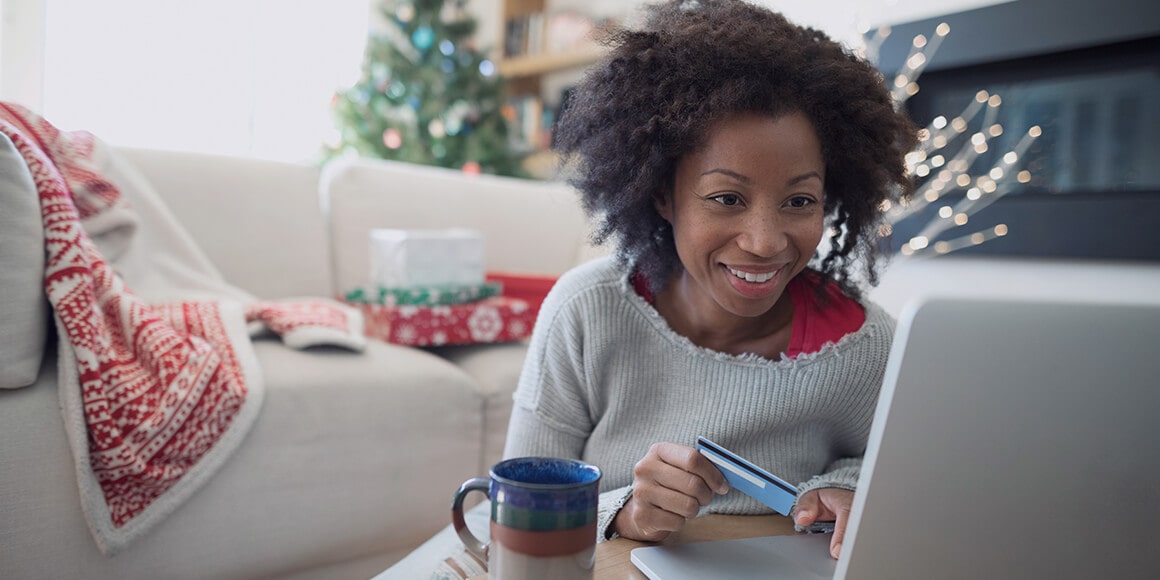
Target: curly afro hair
x,y
653,98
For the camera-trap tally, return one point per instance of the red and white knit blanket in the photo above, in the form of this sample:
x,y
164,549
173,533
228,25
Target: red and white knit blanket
x,y
155,396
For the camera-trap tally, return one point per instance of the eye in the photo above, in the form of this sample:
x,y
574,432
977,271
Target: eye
x,y
800,201
727,199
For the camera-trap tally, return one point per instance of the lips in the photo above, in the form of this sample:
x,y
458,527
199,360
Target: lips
x,y
754,284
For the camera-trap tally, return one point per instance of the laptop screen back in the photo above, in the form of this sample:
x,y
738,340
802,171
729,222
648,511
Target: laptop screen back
x,y
1013,440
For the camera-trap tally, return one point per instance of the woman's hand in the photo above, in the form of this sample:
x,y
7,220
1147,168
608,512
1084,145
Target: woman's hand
x,y
826,504
670,484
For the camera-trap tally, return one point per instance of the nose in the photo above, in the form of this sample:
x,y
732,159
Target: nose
x,y
764,235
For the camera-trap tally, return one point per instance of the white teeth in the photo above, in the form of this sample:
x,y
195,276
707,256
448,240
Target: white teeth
x,y
751,277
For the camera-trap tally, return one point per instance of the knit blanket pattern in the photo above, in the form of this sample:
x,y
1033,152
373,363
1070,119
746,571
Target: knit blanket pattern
x,y
155,396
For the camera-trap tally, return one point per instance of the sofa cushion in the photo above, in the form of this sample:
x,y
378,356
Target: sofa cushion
x,y
496,369
23,304
352,456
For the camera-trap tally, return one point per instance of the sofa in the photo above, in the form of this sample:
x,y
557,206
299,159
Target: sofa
x,y
354,457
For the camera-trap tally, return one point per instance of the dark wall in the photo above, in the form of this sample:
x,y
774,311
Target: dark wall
x,y
1024,28
1032,47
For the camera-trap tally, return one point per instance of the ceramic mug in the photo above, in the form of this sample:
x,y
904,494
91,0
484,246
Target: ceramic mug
x,y
543,518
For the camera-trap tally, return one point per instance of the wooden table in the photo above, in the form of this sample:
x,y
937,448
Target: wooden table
x,y
612,557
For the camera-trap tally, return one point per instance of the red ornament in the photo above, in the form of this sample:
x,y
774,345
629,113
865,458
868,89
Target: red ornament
x,y
392,139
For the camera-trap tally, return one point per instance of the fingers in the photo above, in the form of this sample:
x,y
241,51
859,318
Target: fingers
x,y
691,461
670,485
682,469
842,516
826,504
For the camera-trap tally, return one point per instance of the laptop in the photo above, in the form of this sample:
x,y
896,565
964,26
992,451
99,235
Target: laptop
x,y
1012,439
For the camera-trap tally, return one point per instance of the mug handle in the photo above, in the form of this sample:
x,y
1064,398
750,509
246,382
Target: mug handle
x,y
472,543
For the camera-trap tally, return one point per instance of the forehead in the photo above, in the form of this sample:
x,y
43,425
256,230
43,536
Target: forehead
x,y
757,140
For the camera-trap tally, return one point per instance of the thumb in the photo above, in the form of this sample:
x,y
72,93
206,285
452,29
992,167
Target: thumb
x,y
806,510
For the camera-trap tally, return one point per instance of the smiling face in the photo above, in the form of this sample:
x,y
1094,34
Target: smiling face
x,y
747,216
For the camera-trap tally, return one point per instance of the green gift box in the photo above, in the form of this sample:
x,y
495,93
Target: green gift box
x,y
444,295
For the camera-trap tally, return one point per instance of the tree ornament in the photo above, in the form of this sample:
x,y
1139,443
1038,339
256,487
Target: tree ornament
x,y
454,125
423,38
380,72
405,12
392,139
424,96
452,11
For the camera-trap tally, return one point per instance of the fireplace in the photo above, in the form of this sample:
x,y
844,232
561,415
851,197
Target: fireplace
x,y
1088,74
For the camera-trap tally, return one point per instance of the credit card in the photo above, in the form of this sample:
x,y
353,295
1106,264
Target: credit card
x,y
750,479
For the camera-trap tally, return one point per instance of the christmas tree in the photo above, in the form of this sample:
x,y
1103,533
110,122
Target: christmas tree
x,y
426,94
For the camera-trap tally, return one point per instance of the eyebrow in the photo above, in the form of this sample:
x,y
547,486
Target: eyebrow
x,y
748,181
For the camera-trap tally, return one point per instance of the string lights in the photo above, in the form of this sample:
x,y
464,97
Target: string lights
x,y
944,157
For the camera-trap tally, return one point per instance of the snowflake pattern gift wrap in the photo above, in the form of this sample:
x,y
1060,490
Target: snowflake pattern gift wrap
x,y
495,319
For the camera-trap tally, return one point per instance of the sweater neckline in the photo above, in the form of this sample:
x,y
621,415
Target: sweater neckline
x,y
874,319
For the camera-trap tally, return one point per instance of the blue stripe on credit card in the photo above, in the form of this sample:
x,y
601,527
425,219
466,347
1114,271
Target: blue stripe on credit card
x,y
750,479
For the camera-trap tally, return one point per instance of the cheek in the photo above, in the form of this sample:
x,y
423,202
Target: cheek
x,y
694,236
812,231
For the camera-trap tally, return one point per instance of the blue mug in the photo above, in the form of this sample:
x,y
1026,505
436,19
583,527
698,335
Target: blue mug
x,y
543,518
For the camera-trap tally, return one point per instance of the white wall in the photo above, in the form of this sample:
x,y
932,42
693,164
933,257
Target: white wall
x,y
236,77
841,19
22,51
127,69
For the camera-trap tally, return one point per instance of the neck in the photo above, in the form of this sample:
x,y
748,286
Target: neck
x,y
695,316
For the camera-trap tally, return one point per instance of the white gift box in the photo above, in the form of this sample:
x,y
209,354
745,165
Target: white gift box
x,y
401,258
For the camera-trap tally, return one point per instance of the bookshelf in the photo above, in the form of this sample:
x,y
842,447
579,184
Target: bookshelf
x,y
541,64
537,43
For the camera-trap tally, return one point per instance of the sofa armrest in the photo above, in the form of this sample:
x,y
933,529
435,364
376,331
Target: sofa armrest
x,y
528,226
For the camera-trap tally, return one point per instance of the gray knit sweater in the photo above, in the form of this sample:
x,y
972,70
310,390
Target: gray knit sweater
x,y
606,377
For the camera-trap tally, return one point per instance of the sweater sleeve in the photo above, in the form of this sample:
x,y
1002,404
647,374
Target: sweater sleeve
x,y
842,474
610,503
552,415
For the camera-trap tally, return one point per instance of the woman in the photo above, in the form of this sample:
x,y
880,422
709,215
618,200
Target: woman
x,y
717,146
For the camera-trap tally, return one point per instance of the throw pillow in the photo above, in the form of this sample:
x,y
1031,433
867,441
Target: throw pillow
x,y
24,311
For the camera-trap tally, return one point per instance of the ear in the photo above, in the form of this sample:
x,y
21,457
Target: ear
x,y
664,204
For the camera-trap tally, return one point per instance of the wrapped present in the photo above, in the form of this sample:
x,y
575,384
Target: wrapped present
x,y
444,295
409,258
530,287
495,319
